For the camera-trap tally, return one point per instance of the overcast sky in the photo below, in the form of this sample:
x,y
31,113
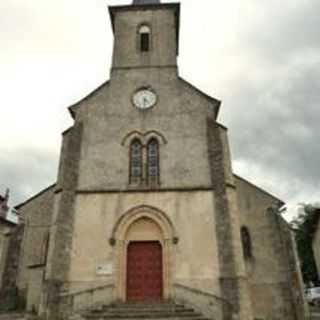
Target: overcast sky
x,y
260,57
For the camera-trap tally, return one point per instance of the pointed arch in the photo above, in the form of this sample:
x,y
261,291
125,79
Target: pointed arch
x,y
121,226
143,137
122,237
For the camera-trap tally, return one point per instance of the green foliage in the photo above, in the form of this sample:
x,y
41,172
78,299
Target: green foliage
x,y
304,226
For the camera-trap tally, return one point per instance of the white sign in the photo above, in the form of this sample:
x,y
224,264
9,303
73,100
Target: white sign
x,y
104,269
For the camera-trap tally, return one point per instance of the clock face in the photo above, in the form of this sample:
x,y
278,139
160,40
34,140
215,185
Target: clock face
x,y
144,99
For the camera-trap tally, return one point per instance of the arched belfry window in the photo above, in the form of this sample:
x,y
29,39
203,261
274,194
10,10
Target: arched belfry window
x,y
144,38
153,171
246,243
136,161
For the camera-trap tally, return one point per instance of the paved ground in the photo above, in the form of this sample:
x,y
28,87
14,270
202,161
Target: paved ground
x,y
11,316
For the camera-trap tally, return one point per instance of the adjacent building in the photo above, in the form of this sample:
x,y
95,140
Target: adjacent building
x,y
6,229
4,208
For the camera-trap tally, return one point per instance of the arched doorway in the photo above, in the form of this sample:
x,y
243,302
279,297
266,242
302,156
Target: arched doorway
x,y
144,270
143,239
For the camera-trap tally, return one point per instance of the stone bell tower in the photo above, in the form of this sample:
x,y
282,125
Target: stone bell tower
x,y
145,35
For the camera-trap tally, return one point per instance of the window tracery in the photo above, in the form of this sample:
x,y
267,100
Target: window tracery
x,y
144,167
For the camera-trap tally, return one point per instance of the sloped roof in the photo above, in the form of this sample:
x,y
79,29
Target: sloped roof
x,y
17,207
281,202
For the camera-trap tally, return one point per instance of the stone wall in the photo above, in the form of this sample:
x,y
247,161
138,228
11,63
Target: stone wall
x,y
191,215
274,278
233,281
11,297
179,116
62,222
163,44
6,230
36,215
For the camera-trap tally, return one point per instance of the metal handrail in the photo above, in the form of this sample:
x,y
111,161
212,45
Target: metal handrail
x,y
91,290
70,298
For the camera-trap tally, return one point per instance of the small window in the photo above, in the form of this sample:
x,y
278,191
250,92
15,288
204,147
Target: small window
x,y
153,161
136,161
144,34
246,243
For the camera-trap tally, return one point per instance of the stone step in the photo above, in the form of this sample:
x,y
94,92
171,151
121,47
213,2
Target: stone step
x,y
145,305
141,315
157,310
142,311
102,317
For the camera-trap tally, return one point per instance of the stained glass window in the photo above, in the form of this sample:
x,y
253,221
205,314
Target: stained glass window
x,y
153,161
135,161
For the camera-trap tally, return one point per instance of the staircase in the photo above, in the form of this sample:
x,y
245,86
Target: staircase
x,y
156,311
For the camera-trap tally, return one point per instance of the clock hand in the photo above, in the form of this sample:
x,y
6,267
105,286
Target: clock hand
x,y
145,101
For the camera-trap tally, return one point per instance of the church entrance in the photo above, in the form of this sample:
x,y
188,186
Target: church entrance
x,y
143,239
144,271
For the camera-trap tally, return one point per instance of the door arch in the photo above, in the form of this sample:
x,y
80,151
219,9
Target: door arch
x,y
143,225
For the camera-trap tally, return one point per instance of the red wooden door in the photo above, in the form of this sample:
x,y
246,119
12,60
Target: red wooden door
x,y
144,271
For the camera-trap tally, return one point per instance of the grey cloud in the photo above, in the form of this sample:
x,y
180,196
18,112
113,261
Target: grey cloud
x,y
26,172
272,103
275,127
285,32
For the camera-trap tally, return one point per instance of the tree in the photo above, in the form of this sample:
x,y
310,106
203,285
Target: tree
x,y
304,226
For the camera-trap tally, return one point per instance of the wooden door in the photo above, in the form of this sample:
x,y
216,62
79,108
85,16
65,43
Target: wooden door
x,y
144,271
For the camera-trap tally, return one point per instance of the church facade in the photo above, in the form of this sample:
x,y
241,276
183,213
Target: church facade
x,y
146,207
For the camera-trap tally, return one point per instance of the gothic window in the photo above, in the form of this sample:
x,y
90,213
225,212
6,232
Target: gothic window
x,y
246,243
153,161
136,161
144,34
